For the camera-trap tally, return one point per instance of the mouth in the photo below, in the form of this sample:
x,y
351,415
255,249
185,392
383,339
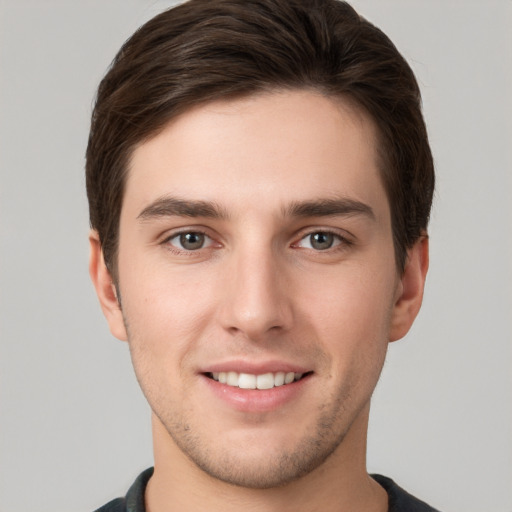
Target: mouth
x,y
252,381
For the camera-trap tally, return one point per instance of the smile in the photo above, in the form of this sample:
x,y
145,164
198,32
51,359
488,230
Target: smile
x,y
251,381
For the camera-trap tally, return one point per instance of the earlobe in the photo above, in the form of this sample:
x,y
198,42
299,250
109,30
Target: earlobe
x,y
410,289
105,289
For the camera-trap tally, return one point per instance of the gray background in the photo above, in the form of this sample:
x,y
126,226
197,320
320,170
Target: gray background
x,y
74,425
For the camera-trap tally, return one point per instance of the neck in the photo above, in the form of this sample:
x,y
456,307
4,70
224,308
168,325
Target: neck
x,y
340,483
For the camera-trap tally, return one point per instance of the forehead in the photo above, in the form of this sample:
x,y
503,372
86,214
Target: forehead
x,y
282,146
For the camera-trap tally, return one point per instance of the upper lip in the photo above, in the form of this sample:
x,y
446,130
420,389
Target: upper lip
x,y
254,368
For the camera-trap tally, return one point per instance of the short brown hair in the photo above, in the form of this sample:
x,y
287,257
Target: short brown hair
x,y
205,50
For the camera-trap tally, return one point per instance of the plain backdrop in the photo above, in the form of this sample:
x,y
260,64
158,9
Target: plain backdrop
x,y
74,426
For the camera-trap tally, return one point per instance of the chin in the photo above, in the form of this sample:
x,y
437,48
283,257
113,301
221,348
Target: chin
x,y
265,472
260,462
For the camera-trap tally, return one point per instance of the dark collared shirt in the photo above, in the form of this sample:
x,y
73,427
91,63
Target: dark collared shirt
x,y
399,500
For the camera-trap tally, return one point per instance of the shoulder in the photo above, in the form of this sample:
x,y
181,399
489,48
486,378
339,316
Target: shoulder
x,y
134,500
399,499
117,505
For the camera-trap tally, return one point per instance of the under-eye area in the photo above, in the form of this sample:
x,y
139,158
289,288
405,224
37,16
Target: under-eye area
x,y
262,381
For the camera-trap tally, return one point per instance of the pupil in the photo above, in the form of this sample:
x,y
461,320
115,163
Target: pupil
x,y
322,241
192,240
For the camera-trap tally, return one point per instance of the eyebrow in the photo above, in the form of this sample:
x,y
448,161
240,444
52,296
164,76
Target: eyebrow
x,y
169,206
329,207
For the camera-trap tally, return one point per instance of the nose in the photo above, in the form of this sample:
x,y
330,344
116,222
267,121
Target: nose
x,y
257,298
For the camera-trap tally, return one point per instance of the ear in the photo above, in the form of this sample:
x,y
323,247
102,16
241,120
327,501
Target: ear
x,y
105,288
410,289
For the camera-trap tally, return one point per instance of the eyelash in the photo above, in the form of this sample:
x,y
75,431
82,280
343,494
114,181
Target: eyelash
x,y
342,241
167,241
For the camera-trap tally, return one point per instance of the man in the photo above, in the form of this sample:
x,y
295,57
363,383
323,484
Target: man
x,y
260,181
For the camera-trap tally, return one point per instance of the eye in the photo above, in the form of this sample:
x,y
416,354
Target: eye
x,y
190,241
320,241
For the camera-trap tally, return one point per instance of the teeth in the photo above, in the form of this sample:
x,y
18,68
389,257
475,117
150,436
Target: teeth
x,y
279,379
232,379
265,381
250,381
289,378
245,381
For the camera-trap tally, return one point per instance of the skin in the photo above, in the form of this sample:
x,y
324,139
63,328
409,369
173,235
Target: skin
x,y
261,179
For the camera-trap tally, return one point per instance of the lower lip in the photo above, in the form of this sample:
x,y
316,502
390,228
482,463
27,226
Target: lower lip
x,y
256,400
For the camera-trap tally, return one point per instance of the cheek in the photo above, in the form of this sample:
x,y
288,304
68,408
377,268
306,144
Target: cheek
x,y
155,307
355,299
351,318
162,332
165,315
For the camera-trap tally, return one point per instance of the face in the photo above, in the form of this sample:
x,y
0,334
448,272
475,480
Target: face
x,y
258,282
